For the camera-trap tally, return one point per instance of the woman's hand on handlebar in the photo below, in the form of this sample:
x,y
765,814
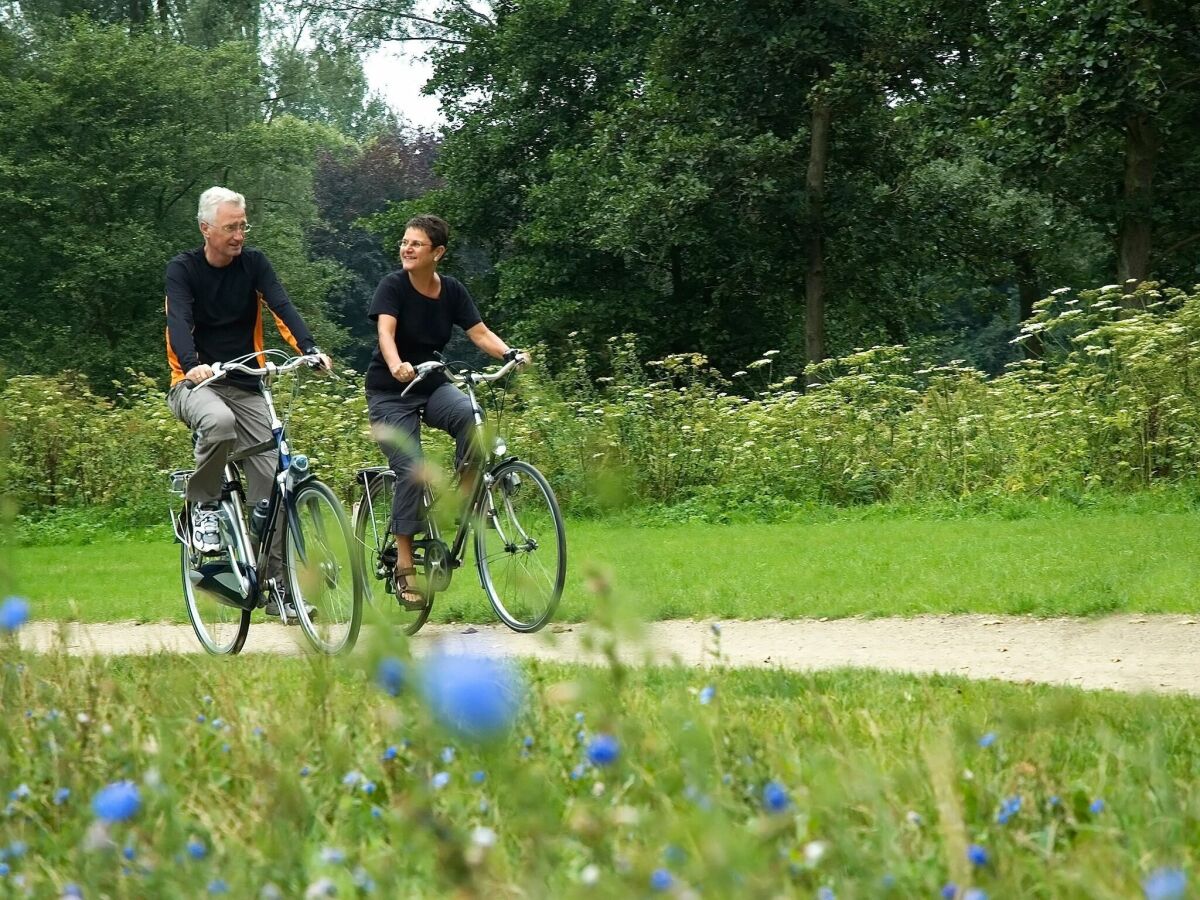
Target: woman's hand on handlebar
x,y
404,372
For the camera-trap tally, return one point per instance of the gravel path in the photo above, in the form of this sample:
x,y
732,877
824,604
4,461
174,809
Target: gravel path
x,y
1126,653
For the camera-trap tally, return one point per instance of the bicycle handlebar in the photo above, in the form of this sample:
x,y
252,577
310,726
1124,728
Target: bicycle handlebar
x,y
220,370
434,365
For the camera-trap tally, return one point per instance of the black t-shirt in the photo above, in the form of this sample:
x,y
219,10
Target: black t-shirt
x,y
214,314
423,326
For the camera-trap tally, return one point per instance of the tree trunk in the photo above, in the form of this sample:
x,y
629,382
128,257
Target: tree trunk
x,y
814,282
1133,235
1028,293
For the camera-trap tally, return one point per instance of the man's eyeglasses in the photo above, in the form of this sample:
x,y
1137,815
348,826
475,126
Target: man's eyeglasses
x,y
243,227
416,245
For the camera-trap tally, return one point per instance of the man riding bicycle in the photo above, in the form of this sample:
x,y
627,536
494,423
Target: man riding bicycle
x,y
214,299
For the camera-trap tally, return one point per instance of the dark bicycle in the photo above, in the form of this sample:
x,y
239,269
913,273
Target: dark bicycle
x,y
520,541
321,565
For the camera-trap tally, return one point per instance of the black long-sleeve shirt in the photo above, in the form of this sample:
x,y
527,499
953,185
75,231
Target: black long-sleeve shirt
x,y
215,314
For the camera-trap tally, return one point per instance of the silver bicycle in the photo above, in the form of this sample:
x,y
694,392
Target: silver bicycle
x,y
322,570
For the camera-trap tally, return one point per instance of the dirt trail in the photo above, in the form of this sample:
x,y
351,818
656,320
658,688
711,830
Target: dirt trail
x,y
1126,653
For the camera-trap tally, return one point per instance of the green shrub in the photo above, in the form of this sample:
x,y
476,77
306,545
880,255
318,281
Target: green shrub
x,y
1109,406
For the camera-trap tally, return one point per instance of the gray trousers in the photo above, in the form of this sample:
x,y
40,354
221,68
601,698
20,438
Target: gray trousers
x,y
396,423
227,418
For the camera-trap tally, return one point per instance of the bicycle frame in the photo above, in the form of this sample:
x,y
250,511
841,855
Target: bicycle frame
x,y
471,508
255,553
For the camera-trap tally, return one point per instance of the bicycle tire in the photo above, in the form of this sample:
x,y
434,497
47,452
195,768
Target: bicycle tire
x,y
323,570
521,546
220,628
372,532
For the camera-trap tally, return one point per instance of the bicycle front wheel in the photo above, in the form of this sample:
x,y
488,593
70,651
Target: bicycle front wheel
x,y
323,571
521,546
372,531
220,626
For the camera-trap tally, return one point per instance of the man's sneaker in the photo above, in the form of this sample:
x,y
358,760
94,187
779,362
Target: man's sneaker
x,y
289,609
206,527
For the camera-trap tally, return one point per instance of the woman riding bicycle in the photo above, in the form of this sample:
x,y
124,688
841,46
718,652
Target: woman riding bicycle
x,y
414,310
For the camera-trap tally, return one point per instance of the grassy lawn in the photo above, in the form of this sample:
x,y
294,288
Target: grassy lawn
x,y
1076,563
314,781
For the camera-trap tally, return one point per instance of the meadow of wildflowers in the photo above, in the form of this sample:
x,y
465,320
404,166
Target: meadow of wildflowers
x,y
458,775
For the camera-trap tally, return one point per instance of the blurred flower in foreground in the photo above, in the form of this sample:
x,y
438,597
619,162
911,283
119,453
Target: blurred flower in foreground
x,y
1165,884
775,797
389,675
660,880
117,802
706,695
603,750
473,696
977,855
949,890
1097,806
988,739
14,613
1008,809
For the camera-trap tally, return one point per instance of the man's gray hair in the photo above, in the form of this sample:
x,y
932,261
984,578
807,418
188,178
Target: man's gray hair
x,y
214,197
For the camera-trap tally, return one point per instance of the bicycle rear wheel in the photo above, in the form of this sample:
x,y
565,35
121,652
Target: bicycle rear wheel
x,y
323,570
521,547
372,531
220,626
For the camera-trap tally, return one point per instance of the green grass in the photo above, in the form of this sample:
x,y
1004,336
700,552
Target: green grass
x,y
1062,562
886,779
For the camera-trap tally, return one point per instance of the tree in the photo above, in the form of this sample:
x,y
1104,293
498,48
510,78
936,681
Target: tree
x,y
106,140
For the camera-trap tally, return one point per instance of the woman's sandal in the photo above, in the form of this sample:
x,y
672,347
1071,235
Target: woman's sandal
x,y
408,594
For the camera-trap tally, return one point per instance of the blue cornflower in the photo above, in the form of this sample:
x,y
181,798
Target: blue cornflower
x,y
332,855
128,852
603,750
4,870
225,748
579,717
390,675
674,854
218,724
825,893
473,696
988,739
201,718
661,880
1165,884
1008,809
218,886
376,812
949,890
368,787
578,772
117,802
440,780
20,792
352,778
196,848
72,890
977,855
14,613
478,776
975,894
706,695
1097,806
528,742
447,755
258,731
775,797
363,881
391,752
1055,800
304,770
207,698
16,849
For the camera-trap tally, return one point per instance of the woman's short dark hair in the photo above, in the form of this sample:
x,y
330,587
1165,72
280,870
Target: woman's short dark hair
x,y
435,228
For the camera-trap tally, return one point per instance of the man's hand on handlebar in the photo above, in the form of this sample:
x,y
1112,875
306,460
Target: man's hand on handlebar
x,y
326,366
522,357
197,374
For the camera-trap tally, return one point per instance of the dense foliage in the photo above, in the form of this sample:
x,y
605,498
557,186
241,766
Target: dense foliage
x,y
1112,406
